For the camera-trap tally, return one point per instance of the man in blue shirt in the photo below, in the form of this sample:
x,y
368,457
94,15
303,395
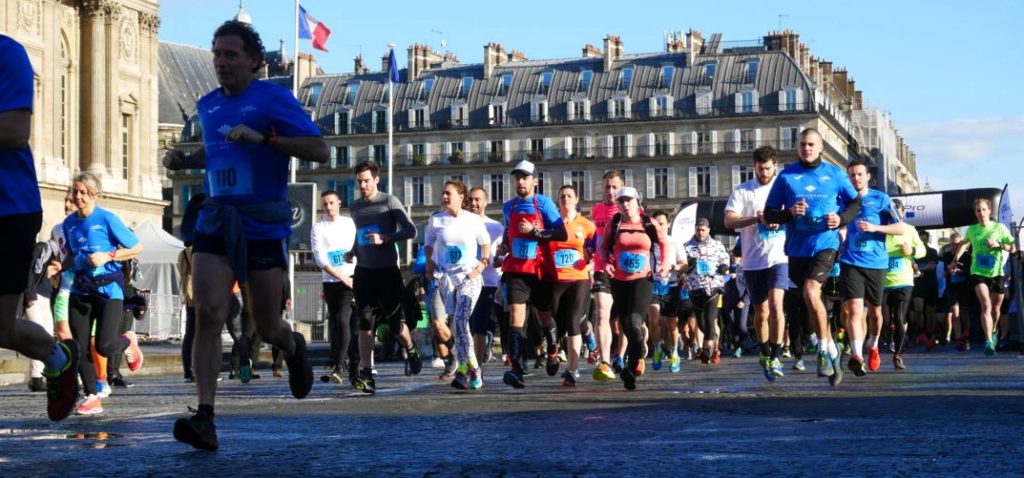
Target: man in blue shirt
x,y
813,199
865,259
21,215
250,130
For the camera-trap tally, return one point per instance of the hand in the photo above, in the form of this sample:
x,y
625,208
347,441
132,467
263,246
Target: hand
x,y
525,227
173,159
800,208
375,238
832,220
993,244
609,269
287,304
97,259
862,225
498,260
906,250
473,274
663,271
52,269
349,257
244,134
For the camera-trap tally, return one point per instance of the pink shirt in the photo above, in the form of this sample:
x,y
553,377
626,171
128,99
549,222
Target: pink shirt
x,y
601,214
633,250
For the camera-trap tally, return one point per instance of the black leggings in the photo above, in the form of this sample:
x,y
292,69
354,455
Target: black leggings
x,y
796,320
570,301
82,312
705,308
897,302
631,300
339,298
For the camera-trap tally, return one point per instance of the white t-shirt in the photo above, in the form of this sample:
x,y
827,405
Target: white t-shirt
x,y
331,240
762,248
492,275
456,240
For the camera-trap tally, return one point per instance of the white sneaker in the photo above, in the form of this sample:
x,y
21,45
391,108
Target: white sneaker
x,y
437,362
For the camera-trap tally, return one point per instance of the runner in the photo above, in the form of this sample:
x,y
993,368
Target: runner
x,y
601,213
483,321
332,237
529,218
926,295
251,129
708,263
865,262
813,199
958,326
899,285
458,247
665,303
991,244
568,263
381,222
765,265
97,241
628,245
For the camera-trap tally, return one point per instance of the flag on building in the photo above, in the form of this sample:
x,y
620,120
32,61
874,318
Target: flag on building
x,y
312,29
392,67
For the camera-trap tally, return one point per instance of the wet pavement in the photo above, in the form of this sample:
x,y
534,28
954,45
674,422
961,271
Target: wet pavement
x,y
950,414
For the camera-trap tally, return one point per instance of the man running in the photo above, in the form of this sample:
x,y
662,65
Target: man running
x,y
482,322
381,222
813,199
765,265
251,129
529,218
865,262
601,214
333,237
21,216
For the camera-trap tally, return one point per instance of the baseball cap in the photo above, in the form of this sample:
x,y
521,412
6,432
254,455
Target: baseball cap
x,y
524,167
628,192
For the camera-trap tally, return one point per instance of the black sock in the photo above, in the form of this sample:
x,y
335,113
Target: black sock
x,y
206,410
766,348
775,348
516,350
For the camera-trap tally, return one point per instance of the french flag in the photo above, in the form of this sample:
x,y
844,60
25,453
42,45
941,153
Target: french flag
x,y
312,29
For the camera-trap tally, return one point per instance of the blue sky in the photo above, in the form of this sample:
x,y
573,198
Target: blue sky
x,y
950,73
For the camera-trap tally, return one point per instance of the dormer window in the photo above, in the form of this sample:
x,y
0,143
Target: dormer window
x,y
419,117
505,85
746,101
578,108
343,121
709,72
314,94
426,87
750,71
380,119
351,92
496,113
790,99
666,75
467,85
620,107
625,78
703,102
661,105
545,82
539,110
460,114
585,77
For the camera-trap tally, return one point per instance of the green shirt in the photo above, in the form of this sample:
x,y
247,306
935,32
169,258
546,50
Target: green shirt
x,y
988,262
901,267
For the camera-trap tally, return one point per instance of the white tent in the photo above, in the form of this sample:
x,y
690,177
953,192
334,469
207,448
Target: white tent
x,y
158,262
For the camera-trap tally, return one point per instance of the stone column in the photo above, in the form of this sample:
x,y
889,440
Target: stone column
x,y
95,98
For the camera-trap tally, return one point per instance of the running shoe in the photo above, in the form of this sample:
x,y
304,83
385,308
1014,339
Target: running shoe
x,y
618,364
603,372
738,352
476,378
776,368
704,357
460,381
628,379
336,376
766,368
62,385
197,430
513,379
716,356
119,382
450,367
552,365
568,379
874,359
300,371
593,357
413,362
561,356
673,363
856,365
837,367
799,365
90,405
640,368
541,362
37,384
990,348
438,362
897,362
659,355
762,360
277,373
786,353
591,342
133,353
825,368
102,389
245,371
365,382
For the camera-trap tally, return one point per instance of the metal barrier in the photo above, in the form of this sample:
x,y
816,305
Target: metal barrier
x,y
309,307
164,317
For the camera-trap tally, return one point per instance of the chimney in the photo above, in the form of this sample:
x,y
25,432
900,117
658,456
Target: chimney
x,y
360,67
591,51
384,63
305,67
450,57
675,46
494,55
612,51
805,58
695,41
858,100
517,55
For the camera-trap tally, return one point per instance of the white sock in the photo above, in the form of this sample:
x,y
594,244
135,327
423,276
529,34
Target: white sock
x,y
873,341
858,346
832,350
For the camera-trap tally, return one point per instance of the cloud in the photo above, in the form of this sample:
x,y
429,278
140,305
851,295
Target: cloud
x,y
962,141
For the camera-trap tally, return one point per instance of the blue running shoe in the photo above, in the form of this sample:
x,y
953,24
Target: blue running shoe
x,y
776,368
673,363
659,355
618,364
591,342
825,368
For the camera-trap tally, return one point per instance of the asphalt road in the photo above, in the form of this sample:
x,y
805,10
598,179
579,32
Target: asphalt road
x,y
950,414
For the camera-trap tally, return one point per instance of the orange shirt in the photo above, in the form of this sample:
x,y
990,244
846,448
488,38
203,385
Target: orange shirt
x,y
568,261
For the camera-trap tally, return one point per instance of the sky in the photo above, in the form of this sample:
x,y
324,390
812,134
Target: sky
x,y
950,73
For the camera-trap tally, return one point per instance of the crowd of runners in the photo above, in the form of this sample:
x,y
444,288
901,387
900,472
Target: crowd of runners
x,y
824,266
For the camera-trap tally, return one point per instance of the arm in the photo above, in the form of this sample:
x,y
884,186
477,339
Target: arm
x,y
733,220
406,229
15,128
176,160
850,212
666,249
554,229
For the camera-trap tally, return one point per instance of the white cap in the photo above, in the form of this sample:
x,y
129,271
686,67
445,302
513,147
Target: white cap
x,y
628,192
524,167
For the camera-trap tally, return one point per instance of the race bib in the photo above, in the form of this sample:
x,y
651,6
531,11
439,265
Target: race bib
x,y
684,293
811,223
524,248
660,287
859,244
896,264
363,234
566,258
986,262
336,258
764,233
703,267
456,255
233,179
631,262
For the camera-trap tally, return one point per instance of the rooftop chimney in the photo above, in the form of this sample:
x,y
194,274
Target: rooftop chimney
x,y
421,58
695,42
612,51
517,55
494,55
384,63
591,51
360,67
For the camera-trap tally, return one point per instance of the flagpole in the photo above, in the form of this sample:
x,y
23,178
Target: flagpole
x,y
391,128
292,164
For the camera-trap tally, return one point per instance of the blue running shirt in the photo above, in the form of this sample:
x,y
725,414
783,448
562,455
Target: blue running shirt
x,y
827,189
102,231
867,249
19,191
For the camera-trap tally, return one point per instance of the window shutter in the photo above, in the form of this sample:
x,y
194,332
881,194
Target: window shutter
x,y
486,184
629,177
485,150
408,191
672,183
689,142
506,152
568,147
629,145
426,153
650,183
490,114
650,144
567,178
411,117
588,144
714,181
547,148
670,105
652,105
757,137
508,187
735,176
737,99
609,147
629,107
588,185
428,194
756,101
800,100
447,149
586,109
714,142
782,100
570,112
735,140
692,179
671,144
534,106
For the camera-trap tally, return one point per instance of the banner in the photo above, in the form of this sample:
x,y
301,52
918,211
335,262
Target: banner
x,y
683,225
302,199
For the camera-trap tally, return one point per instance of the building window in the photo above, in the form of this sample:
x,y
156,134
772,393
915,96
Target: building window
x,y
620,146
426,86
126,144
379,153
585,77
351,92
539,111
419,154
666,75
496,113
579,109
703,177
788,138
661,144
748,140
541,182
744,173
578,180
340,157
661,182
579,148
419,118
545,82
619,108
703,101
709,72
750,71
789,99
467,85
418,191
661,105
705,144
380,121
460,178
314,94
458,153
65,92
746,102
460,114
536,149
505,84
342,122
497,152
625,78
497,182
